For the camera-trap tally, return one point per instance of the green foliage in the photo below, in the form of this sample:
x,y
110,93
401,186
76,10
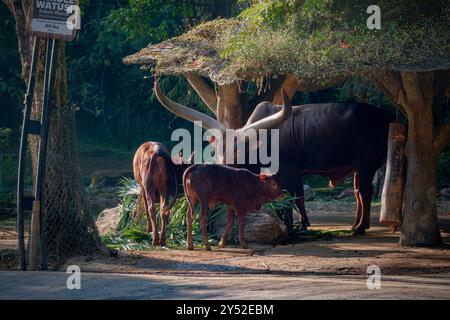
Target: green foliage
x,y
129,239
277,206
4,137
311,235
117,106
324,39
11,85
131,235
269,14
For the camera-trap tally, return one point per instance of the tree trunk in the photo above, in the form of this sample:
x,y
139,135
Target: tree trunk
x,y
290,85
417,94
229,106
419,220
70,229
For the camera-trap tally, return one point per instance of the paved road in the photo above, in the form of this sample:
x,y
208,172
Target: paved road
x,y
52,285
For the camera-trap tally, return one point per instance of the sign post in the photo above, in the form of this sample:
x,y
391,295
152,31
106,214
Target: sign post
x,y
51,20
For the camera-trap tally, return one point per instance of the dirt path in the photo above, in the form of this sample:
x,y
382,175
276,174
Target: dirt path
x,y
334,268
45,285
342,255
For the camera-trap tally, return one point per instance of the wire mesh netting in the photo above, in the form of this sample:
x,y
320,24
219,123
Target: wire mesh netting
x,y
69,227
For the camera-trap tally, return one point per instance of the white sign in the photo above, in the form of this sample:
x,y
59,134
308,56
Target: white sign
x,y
55,19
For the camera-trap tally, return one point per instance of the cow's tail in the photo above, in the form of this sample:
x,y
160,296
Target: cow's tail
x,y
148,183
186,192
170,167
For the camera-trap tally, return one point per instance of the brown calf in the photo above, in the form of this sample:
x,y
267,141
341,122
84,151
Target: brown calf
x,y
240,189
158,178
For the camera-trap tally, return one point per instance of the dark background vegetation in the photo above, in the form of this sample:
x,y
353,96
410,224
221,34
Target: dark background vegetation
x,y
117,110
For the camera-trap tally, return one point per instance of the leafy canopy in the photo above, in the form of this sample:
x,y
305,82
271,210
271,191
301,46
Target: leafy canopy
x,y
313,38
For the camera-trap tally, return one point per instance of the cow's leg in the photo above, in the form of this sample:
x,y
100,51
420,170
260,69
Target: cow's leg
x,y
149,223
366,191
230,218
189,221
288,218
300,203
151,208
358,198
164,211
241,221
204,224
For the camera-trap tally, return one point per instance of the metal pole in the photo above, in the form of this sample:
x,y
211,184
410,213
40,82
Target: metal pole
x,y
48,94
37,205
22,155
37,218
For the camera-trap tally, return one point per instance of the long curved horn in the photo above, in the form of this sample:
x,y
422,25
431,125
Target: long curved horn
x,y
187,113
275,119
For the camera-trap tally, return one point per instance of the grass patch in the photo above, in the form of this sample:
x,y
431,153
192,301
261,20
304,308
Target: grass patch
x,y
131,231
314,235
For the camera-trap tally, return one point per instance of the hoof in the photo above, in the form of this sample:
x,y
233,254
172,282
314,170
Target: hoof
x,y
244,246
304,227
222,244
359,231
190,247
208,247
155,242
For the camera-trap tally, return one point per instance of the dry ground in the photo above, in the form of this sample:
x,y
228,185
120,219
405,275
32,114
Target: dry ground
x,y
341,255
311,269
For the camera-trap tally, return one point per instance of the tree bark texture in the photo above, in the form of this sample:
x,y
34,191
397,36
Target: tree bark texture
x,y
394,182
70,229
418,95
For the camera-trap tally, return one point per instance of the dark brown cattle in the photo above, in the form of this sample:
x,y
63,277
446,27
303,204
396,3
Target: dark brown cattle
x,y
158,178
240,189
329,139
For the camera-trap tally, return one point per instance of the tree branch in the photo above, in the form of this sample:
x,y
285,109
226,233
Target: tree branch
x,y
413,90
290,85
390,83
8,4
274,84
204,90
229,106
441,137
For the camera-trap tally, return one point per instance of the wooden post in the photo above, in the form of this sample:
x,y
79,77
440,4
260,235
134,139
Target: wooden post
x,y
34,236
394,183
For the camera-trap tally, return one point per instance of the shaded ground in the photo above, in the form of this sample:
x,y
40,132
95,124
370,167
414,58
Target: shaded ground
x,y
329,268
45,285
341,255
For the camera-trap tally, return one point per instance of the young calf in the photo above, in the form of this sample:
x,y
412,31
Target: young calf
x,y
240,189
158,177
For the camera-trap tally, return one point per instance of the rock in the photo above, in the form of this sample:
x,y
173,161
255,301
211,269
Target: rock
x,y
445,193
346,193
260,227
102,199
108,178
108,220
309,193
8,255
